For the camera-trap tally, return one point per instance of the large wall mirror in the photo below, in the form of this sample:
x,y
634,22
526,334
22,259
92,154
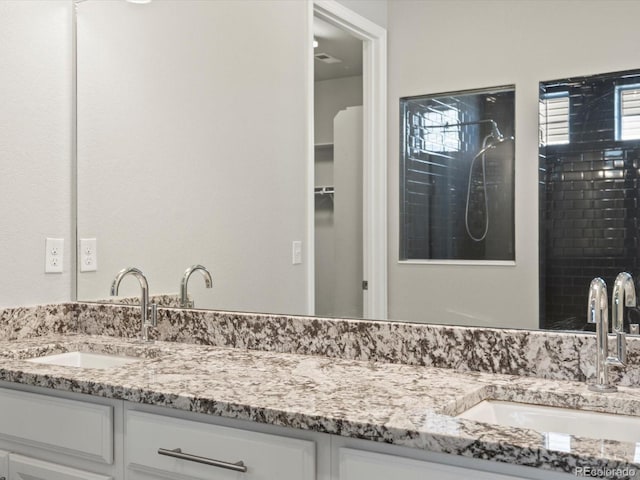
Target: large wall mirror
x,y
589,170
192,146
191,152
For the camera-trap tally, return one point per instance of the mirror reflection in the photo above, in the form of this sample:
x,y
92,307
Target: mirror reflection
x,y
589,164
185,158
457,173
192,151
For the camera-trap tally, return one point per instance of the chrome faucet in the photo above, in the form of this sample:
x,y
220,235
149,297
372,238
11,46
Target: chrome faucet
x,y
624,295
144,300
184,297
598,313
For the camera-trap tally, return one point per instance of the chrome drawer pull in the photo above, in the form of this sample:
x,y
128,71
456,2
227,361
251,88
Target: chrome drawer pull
x,y
177,453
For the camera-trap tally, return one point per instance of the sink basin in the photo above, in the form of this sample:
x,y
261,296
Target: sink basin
x,y
543,419
85,360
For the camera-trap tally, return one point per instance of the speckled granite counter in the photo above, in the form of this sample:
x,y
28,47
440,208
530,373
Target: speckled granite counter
x,y
406,405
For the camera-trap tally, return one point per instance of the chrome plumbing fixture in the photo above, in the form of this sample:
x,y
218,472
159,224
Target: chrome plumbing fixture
x,y
490,141
498,138
144,300
623,295
184,297
598,312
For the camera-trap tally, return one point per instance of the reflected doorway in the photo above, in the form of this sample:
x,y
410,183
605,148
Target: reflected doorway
x,y
340,286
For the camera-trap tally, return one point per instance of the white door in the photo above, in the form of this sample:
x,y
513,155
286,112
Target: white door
x,y
25,468
350,256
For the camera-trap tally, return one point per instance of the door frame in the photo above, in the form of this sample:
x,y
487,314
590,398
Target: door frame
x,y
374,74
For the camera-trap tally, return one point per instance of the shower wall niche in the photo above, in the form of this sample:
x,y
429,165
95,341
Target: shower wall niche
x,y
457,154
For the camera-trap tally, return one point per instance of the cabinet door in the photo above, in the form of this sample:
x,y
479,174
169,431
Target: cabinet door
x,y
66,427
4,465
25,468
360,465
153,442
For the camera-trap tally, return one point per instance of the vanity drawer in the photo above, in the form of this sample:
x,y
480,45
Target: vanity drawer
x,y
358,465
25,468
265,456
64,426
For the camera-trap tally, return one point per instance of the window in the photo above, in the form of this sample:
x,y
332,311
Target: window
x,y
439,136
628,112
554,118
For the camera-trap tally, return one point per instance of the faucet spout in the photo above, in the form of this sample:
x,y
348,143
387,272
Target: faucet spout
x,y
624,294
184,296
598,313
144,299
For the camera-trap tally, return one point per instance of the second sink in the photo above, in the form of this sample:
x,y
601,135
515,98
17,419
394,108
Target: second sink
x,y
545,419
85,360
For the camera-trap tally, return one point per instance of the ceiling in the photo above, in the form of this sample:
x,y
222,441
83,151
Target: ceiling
x,y
338,44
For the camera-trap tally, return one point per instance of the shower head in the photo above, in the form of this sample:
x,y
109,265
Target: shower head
x,y
496,132
497,141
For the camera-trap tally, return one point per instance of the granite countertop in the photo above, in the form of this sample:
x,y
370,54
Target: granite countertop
x,y
405,405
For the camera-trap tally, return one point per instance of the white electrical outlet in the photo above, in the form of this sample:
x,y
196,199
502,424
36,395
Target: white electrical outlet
x,y
88,255
54,255
296,252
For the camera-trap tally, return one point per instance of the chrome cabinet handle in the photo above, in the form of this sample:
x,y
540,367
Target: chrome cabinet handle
x,y
177,453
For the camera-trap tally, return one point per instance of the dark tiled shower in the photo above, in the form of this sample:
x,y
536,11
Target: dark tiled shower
x,y
588,199
441,135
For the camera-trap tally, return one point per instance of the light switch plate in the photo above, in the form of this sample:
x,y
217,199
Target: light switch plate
x,y
296,252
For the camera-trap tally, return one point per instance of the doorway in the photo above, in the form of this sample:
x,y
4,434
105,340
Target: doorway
x,y
338,175
355,208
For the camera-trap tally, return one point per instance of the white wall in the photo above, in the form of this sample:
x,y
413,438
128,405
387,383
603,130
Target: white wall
x,y
448,45
331,96
35,147
191,147
374,10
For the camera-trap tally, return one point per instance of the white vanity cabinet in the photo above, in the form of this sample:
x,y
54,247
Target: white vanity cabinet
x,y
160,447
4,465
69,427
66,436
50,436
361,465
25,468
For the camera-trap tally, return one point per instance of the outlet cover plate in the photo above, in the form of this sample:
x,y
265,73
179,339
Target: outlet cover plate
x,y
54,255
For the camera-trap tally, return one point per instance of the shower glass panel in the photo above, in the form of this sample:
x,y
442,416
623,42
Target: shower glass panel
x,y
457,155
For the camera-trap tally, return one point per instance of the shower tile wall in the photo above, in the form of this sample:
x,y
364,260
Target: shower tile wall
x,y
436,178
589,204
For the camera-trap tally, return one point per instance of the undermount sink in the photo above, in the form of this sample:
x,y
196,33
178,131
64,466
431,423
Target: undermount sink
x,y
85,360
544,419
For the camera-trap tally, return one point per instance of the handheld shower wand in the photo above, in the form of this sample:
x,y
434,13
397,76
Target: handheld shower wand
x,y
498,139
